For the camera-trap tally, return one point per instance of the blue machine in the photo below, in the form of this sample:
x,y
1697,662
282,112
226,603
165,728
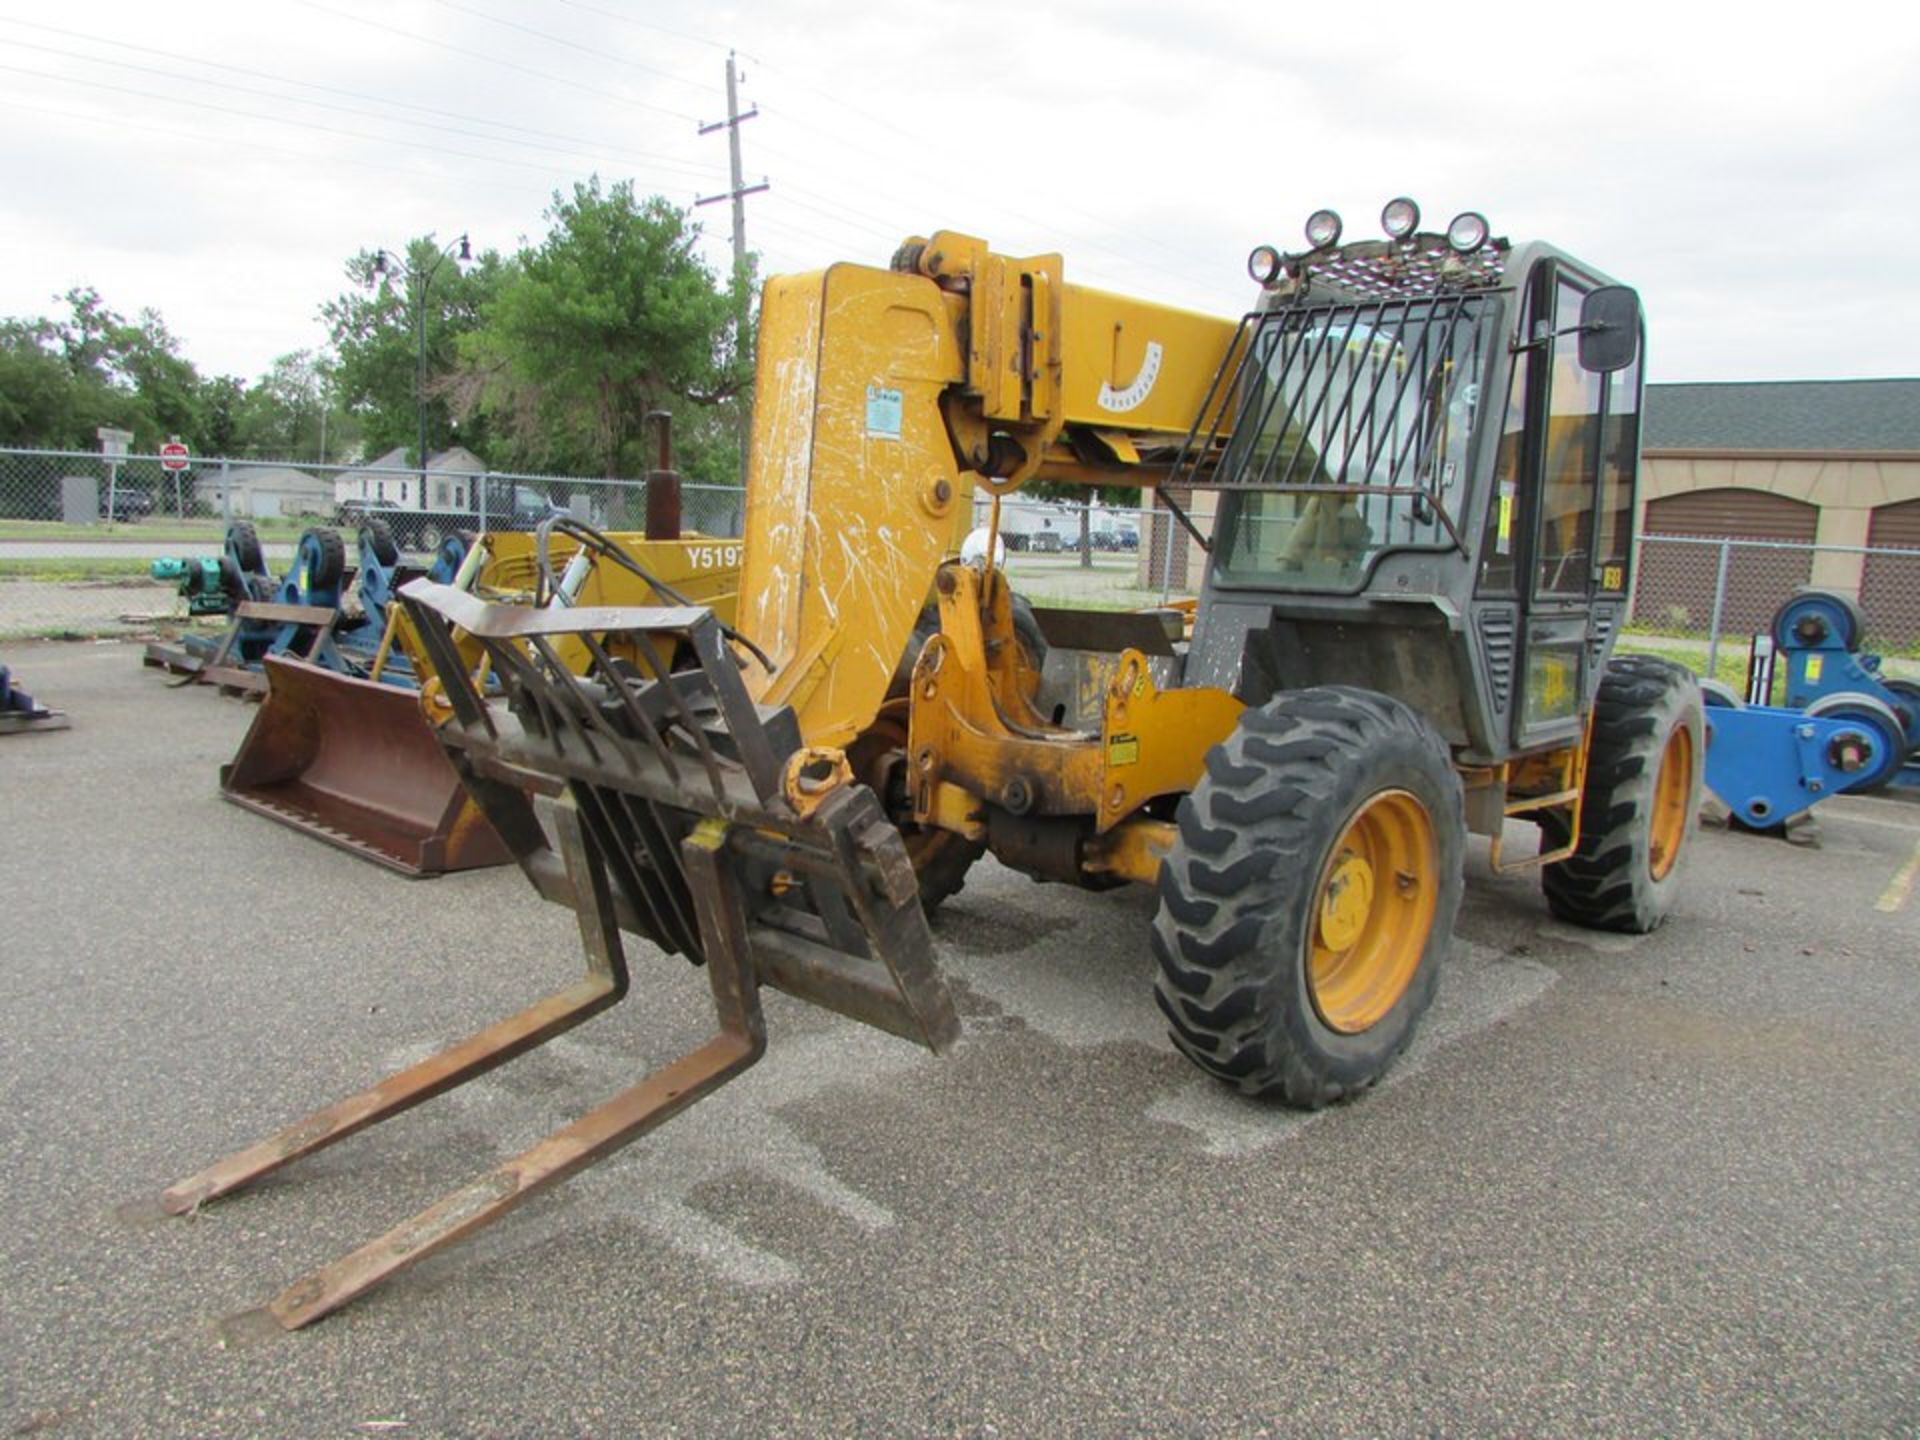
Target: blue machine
x,y
20,712
326,634
359,637
1844,727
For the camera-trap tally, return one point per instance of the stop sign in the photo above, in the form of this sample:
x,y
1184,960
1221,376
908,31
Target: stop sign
x,y
173,456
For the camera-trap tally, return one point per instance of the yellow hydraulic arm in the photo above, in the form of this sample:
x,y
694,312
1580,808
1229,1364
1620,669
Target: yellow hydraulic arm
x,y
884,396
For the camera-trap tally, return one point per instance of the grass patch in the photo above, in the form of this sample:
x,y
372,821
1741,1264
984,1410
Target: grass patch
x,y
209,532
67,569
1730,665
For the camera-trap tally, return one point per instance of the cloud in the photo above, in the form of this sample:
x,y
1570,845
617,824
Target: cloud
x,y
1751,179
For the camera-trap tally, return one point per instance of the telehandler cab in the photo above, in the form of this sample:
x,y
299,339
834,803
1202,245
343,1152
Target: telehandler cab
x,y
1425,449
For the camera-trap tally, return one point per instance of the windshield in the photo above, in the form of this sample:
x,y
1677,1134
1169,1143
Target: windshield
x,y
1355,423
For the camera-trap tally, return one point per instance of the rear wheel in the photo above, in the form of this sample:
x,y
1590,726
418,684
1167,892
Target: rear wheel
x,y
1306,908
1646,763
941,858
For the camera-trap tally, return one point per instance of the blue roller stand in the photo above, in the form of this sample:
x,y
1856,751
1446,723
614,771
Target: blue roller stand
x,y
1770,764
378,585
1844,727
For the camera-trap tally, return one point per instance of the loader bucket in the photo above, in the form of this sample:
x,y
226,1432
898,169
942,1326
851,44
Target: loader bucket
x,y
355,763
671,806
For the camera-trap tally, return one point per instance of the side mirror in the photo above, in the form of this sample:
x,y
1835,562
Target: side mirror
x,y
1609,329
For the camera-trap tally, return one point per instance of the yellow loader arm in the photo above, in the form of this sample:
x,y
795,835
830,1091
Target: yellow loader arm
x,y
884,396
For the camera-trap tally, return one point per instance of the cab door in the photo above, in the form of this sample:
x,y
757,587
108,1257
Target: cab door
x,y
1586,452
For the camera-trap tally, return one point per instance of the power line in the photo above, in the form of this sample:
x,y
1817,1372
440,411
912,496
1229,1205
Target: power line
x,y
1184,275
149,96
891,125
553,39
649,25
226,140
494,60
694,170
179,58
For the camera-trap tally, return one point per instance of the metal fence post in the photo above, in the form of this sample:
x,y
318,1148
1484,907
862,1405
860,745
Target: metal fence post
x,y
226,493
1719,608
1165,518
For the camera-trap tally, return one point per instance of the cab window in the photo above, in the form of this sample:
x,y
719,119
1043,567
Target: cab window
x,y
1564,561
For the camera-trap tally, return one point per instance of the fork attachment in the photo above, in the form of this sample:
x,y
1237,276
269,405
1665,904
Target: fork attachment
x,y
652,796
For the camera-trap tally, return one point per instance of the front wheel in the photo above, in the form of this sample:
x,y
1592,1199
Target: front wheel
x,y
1646,763
1307,906
941,858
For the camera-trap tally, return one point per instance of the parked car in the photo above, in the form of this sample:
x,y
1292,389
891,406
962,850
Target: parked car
x,y
520,508
354,512
129,504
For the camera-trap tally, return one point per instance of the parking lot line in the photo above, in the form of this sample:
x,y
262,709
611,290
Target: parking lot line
x,y
1900,888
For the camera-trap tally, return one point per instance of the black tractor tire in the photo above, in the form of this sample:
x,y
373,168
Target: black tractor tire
x,y
941,858
377,536
243,544
1242,892
328,567
1617,879
941,862
1027,633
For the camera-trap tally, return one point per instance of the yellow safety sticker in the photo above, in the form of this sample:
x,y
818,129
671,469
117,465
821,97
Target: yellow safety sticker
x,y
1613,577
1815,664
1123,750
1503,538
1556,685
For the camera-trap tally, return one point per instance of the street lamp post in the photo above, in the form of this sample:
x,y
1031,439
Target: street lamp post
x,y
418,282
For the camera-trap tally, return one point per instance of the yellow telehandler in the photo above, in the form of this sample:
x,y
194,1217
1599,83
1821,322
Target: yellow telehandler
x,y
1425,449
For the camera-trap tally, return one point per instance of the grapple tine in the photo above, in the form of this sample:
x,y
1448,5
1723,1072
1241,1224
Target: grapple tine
x,y
605,983
833,903
598,1133
674,820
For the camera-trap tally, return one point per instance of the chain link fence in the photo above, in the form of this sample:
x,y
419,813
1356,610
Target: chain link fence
x,y
1703,598
1032,526
79,530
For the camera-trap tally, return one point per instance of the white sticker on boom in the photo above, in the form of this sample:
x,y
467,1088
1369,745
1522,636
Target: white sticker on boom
x,y
1142,386
883,412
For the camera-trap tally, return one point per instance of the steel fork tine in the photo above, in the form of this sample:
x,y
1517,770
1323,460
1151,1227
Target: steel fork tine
x,y
604,985
598,1133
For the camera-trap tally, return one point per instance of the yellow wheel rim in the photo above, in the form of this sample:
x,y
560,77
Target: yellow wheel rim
x,y
1372,911
1672,791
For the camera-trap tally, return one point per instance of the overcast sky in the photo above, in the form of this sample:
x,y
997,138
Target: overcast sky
x,y
218,160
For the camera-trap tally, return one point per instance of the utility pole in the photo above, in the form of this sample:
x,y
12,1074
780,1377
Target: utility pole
x,y
737,193
740,189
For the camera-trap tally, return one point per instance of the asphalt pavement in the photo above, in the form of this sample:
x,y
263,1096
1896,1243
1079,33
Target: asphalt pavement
x,y
1621,1186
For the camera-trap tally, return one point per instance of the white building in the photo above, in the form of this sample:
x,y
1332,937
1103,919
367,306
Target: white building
x,y
453,478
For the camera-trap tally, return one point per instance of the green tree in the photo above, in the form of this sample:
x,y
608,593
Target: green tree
x,y
38,401
612,316
374,328
223,406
